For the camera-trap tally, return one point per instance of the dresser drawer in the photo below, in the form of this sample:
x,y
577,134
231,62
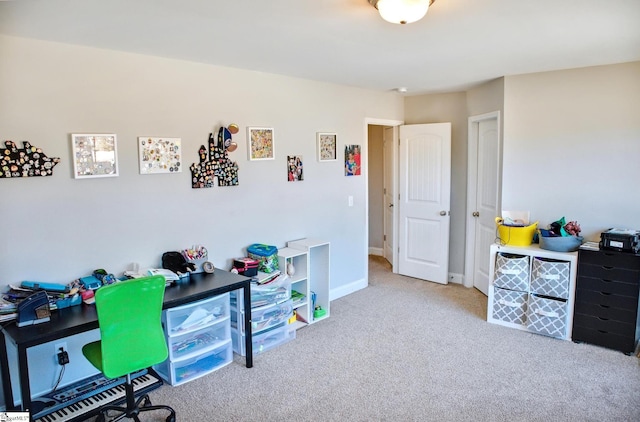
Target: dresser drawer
x,y
621,275
603,338
607,286
605,325
607,299
609,259
603,311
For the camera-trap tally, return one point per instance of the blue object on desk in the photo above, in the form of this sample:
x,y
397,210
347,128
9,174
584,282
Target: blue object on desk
x,y
91,282
50,287
34,309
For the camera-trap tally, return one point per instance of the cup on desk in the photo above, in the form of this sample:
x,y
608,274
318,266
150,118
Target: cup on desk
x,y
198,263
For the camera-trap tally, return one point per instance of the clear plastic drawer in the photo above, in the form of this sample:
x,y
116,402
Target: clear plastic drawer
x,y
185,370
195,316
195,342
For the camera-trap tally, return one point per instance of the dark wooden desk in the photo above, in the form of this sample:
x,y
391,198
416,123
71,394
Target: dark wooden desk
x,y
79,319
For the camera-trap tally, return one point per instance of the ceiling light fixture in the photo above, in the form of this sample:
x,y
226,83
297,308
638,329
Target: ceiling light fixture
x,y
402,11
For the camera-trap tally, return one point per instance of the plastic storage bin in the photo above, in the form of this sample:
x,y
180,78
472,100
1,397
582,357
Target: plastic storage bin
x,y
181,371
190,318
550,277
512,271
510,306
265,317
195,342
265,340
515,235
547,316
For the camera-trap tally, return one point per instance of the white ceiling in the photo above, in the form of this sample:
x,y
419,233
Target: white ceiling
x,y
460,43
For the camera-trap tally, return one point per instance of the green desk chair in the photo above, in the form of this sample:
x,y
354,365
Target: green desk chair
x,y
131,338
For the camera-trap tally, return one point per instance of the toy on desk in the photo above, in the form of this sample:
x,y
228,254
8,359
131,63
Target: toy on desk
x,y
177,263
34,309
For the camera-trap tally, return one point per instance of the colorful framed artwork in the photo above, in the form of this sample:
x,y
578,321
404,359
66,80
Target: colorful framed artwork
x,y
352,160
327,146
94,155
159,155
260,141
294,168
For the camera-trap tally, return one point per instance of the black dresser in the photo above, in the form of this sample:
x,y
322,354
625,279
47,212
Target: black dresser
x,y
607,299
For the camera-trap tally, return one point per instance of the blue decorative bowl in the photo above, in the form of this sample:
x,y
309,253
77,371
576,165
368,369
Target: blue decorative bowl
x,y
560,243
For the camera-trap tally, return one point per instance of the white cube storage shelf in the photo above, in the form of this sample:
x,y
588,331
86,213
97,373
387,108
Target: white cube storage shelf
x,y
532,289
199,339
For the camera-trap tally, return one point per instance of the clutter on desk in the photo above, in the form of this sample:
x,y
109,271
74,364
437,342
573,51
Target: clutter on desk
x,y
196,255
245,266
561,236
33,295
267,256
176,262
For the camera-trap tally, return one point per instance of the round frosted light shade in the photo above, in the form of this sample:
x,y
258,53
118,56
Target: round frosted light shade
x,y
402,11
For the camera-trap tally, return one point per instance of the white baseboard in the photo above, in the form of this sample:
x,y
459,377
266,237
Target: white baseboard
x,y
376,251
456,278
347,289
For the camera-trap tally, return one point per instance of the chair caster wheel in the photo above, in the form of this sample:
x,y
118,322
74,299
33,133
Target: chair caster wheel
x,y
171,418
100,418
146,402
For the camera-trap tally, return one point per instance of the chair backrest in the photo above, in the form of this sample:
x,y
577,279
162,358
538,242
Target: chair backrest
x,y
129,315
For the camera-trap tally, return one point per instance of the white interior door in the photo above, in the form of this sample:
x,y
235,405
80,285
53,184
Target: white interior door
x,y
484,192
389,143
425,193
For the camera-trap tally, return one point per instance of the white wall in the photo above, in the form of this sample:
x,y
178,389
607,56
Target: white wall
x,y
572,146
58,228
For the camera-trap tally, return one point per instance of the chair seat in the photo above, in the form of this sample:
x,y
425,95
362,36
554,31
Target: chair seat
x,y
93,353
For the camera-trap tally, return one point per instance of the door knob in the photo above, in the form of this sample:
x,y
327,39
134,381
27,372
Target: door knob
x,y
475,214
443,213
390,205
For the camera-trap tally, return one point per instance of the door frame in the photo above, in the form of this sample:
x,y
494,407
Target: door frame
x,y
472,191
365,151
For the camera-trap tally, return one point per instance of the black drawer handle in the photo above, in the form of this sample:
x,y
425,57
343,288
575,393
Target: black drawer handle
x,y
603,319
605,306
603,332
605,293
606,267
607,281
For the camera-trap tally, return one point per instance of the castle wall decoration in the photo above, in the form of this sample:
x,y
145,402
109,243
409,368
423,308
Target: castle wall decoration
x,y
29,161
215,162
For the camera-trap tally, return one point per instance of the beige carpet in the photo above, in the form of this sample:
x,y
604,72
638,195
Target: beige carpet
x,y
408,350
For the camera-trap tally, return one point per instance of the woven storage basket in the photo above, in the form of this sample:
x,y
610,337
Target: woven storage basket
x,y
550,277
547,316
510,306
512,271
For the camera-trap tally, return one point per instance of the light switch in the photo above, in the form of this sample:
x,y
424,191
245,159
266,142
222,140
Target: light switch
x,y
350,200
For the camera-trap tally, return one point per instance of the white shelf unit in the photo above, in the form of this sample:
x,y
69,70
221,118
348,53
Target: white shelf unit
x,y
311,260
199,339
532,289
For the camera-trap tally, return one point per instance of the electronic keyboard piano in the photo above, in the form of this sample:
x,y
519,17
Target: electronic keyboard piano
x,y
82,399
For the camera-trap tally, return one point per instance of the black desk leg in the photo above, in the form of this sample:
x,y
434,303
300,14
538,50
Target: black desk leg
x,y
23,369
247,323
6,376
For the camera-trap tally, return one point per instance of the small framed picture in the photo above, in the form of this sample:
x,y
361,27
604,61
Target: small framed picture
x,y
352,160
260,141
94,155
294,168
159,155
327,146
